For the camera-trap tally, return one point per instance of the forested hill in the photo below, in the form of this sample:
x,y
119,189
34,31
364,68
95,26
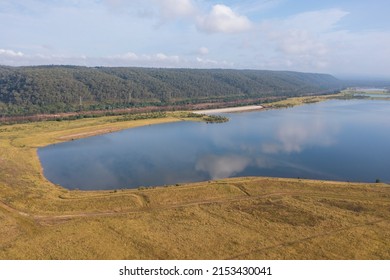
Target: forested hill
x,y
51,89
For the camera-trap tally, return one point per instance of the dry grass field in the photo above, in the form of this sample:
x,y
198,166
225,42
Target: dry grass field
x,y
238,218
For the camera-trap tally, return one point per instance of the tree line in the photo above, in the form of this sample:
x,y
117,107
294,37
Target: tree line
x,y
54,89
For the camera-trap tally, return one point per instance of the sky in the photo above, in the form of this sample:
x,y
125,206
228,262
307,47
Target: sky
x,y
346,38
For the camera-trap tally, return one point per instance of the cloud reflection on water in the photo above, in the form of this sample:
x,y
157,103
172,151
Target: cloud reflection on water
x,y
331,140
222,166
294,137
289,137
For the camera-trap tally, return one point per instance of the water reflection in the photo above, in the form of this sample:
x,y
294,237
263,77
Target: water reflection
x,y
222,166
294,137
336,140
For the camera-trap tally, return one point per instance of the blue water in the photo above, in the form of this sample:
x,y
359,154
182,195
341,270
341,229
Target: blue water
x,y
334,140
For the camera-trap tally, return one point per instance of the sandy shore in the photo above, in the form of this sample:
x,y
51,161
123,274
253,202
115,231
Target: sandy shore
x,y
229,110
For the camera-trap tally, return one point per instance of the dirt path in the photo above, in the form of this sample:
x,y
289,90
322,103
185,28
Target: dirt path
x,y
12,210
52,219
144,207
49,220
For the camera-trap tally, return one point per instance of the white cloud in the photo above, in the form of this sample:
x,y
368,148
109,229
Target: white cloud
x,y
175,8
8,57
248,33
164,57
211,63
130,56
158,60
203,51
314,41
10,53
163,10
302,34
206,61
17,58
301,42
314,21
133,59
360,53
223,19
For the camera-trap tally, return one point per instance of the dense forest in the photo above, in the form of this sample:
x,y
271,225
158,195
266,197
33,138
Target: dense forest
x,y
53,89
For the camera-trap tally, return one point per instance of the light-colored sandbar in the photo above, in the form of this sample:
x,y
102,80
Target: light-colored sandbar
x,y
230,110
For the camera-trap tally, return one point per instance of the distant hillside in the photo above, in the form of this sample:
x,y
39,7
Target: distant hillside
x,y
52,89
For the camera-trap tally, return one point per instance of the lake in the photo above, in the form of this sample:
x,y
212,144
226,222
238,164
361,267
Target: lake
x,y
344,140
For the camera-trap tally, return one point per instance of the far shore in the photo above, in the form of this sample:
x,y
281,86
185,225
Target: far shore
x,y
230,109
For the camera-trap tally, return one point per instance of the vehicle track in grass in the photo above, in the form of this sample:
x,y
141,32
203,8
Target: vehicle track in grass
x,y
49,220
52,219
244,254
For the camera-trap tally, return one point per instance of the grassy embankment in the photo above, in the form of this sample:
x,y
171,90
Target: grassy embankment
x,y
361,93
296,101
242,218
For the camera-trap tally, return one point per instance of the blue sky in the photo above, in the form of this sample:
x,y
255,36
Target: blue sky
x,y
345,37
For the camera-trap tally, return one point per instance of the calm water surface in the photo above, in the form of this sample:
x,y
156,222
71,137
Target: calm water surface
x,y
333,140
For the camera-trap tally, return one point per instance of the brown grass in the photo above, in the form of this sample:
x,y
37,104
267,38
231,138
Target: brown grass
x,y
241,218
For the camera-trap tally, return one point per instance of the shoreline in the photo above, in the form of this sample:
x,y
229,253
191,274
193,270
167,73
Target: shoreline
x,y
230,109
41,220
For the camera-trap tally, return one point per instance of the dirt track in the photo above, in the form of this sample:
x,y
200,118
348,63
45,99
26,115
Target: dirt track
x,y
44,219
